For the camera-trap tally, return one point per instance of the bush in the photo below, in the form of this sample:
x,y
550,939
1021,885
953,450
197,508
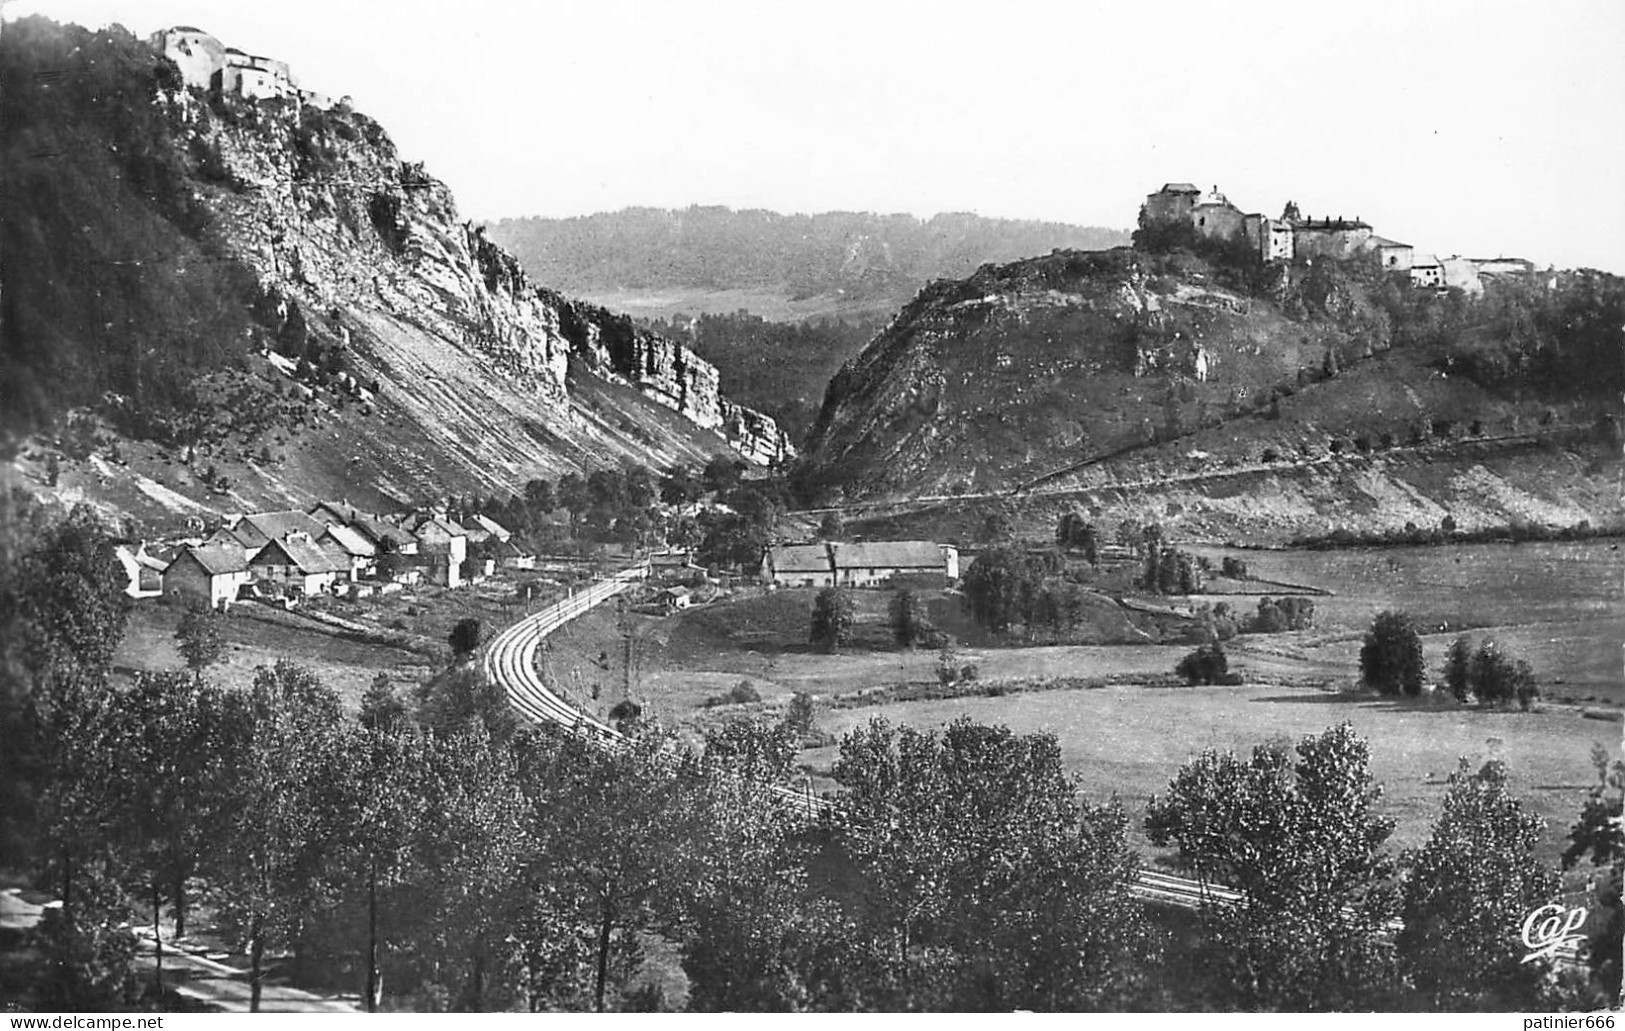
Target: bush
x,y
1206,665
1391,657
743,694
1234,568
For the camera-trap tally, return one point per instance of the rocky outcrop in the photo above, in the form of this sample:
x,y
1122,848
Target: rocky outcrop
x,y
338,232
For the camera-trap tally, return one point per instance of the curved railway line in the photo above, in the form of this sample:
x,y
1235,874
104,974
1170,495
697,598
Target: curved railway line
x,y
510,660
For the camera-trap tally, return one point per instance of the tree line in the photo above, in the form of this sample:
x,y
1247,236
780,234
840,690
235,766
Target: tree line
x,y
435,852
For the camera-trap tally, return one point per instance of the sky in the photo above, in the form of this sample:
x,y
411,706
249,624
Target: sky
x,y
1480,128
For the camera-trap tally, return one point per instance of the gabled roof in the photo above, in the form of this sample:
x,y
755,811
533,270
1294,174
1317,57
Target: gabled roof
x,y
304,555
890,555
1420,260
800,558
341,511
277,525
1383,241
351,540
216,560
512,549
1179,188
490,526
376,530
440,524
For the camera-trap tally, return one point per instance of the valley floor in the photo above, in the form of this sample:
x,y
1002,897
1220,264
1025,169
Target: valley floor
x,y
1556,604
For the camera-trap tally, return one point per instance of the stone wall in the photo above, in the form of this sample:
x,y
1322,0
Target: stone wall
x,y
1331,239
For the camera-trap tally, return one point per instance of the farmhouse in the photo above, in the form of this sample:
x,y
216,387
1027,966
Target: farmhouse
x,y
209,574
297,564
357,553
673,599
857,565
483,528
377,531
329,512
510,554
439,535
872,563
799,565
144,575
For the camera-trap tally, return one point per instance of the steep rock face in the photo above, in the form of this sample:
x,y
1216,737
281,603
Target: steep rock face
x,y
985,382
335,226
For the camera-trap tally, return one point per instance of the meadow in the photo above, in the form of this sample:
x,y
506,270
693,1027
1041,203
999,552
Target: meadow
x,y
1558,605
1128,742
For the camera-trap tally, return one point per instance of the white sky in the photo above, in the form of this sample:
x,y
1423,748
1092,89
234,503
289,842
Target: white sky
x,y
1479,128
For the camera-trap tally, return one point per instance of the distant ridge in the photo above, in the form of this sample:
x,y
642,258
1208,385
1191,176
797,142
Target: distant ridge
x,y
836,262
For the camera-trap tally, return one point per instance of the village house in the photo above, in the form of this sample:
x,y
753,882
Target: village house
x,y
798,565
445,545
872,563
1426,272
510,554
1462,274
482,528
143,573
674,599
244,539
329,512
357,553
210,574
857,565
378,531
297,565
1392,256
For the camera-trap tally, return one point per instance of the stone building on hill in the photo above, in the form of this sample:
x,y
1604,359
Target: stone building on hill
x,y
207,64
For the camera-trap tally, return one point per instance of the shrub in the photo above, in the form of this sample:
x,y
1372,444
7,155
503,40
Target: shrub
x,y
1391,657
1234,568
1206,665
743,694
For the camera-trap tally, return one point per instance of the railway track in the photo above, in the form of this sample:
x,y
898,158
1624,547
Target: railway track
x,y
510,660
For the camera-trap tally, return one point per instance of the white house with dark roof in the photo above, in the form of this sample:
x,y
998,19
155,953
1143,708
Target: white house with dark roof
x,y
358,553
144,574
870,563
296,562
483,528
377,531
211,574
866,564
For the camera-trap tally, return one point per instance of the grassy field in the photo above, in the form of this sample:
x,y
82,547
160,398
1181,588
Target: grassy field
x,y
1130,741
345,665
1558,605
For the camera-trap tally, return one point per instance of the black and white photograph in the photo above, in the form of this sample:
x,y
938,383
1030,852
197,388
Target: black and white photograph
x,y
737,506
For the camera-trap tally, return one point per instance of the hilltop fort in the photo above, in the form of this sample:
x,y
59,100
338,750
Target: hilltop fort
x,y
1296,238
207,64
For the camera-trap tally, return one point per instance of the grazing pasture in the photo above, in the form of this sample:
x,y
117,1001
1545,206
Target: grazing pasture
x,y
1559,605
1129,741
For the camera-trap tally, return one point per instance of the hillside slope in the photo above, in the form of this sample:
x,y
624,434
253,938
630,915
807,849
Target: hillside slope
x,y
653,261
270,291
1082,368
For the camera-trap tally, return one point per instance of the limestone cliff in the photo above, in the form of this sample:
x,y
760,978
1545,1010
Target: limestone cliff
x,y
347,241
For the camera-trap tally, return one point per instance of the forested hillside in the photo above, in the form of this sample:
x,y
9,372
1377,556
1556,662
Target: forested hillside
x,y
859,261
